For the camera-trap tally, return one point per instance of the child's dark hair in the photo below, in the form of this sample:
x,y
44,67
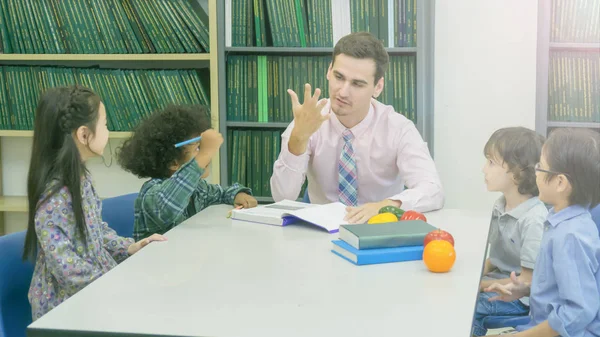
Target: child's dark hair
x,y
576,154
151,149
520,148
55,159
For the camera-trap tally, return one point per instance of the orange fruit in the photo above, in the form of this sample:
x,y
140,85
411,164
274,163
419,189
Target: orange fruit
x,y
383,218
439,256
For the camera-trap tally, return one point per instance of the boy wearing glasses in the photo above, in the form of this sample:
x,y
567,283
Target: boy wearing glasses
x,y
565,291
517,218
177,188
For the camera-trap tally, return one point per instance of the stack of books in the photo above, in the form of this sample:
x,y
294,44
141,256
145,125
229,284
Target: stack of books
x,y
382,243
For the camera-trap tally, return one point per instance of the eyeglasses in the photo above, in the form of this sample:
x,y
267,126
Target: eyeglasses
x,y
537,168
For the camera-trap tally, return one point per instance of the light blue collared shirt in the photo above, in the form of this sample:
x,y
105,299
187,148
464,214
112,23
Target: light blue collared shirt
x,y
565,289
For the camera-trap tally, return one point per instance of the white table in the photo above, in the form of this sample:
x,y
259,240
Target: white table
x,y
215,278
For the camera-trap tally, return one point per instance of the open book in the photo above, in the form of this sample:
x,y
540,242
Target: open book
x,y
286,212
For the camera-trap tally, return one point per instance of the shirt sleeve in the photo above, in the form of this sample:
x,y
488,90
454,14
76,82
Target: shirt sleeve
x,y
116,245
166,201
532,229
214,194
63,250
424,189
289,170
574,264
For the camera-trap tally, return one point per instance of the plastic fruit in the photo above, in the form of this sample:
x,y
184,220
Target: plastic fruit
x,y
398,212
413,215
438,234
439,256
383,218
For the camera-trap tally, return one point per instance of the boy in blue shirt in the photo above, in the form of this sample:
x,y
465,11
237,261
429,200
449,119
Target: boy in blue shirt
x,y
517,218
565,290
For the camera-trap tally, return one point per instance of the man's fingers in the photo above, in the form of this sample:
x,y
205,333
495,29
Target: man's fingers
x,y
363,219
294,98
351,212
307,91
356,217
317,94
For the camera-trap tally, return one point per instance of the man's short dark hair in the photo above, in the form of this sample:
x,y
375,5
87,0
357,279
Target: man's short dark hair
x,y
363,45
576,154
520,148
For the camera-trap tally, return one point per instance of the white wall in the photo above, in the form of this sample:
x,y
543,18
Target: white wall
x,y
485,69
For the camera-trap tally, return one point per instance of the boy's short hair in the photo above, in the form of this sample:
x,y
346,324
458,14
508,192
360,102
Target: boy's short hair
x,y
520,148
576,154
151,149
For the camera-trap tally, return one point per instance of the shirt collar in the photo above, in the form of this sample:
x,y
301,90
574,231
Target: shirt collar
x,y
518,211
359,128
555,218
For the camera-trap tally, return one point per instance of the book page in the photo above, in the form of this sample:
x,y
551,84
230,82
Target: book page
x,y
329,216
276,210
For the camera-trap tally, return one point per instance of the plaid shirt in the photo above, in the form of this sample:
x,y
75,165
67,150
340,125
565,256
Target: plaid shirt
x,y
164,203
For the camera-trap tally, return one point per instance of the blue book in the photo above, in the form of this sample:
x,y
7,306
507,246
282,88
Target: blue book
x,y
374,256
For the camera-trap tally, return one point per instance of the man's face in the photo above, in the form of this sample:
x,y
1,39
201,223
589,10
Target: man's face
x,y
351,85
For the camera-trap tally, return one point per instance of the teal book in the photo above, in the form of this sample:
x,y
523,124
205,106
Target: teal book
x,y
376,256
386,235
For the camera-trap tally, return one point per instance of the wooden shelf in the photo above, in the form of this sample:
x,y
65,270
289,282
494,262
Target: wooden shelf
x,y
591,125
105,57
574,46
26,133
269,125
304,50
13,204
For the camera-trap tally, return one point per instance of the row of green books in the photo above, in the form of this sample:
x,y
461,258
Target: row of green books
x,y
400,88
393,21
319,23
128,95
575,21
251,154
574,86
257,85
103,27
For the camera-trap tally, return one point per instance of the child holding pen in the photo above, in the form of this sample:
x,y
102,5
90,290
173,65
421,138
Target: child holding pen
x,y
173,148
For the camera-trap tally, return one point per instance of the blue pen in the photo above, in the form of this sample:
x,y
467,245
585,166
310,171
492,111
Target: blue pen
x,y
189,141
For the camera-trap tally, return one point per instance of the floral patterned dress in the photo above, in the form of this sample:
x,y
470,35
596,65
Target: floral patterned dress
x,y
63,266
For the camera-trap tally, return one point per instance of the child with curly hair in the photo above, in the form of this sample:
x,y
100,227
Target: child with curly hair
x,y
177,189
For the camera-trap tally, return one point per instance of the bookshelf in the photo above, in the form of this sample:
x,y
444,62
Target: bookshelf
x,y
568,84
189,60
421,51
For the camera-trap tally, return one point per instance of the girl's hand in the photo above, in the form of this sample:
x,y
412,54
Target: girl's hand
x,y
134,248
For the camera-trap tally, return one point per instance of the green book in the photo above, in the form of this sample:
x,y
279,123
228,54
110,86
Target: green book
x,y
267,162
386,235
257,163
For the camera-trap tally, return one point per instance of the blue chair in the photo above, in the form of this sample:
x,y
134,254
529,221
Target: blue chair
x,y
305,197
498,322
15,278
118,212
